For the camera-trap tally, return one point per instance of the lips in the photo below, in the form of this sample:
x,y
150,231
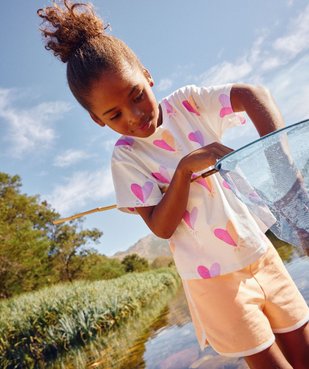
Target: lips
x,y
145,124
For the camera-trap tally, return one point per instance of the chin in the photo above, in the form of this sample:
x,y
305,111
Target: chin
x,y
151,130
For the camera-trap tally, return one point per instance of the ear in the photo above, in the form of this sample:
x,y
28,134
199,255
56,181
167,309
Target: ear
x,y
96,119
148,77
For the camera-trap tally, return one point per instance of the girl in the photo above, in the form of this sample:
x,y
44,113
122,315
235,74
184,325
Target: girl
x,y
241,299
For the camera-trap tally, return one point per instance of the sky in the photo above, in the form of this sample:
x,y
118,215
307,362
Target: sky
x,y
48,139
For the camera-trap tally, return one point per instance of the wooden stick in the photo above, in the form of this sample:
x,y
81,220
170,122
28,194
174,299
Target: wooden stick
x,y
79,215
209,172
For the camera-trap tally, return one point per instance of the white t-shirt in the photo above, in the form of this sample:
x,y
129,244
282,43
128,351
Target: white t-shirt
x,y
217,234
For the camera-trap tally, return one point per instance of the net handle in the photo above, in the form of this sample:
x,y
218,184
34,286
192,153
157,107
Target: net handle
x,y
211,170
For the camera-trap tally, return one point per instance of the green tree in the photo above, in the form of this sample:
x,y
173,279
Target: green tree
x,y
70,249
135,263
24,243
97,266
33,251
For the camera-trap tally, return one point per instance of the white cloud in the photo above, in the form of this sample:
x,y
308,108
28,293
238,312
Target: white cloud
x,y
239,136
70,157
256,51
279,65
78,190
28,129
271,62
226,72
264,56
164,84
297,39
290,86
109,145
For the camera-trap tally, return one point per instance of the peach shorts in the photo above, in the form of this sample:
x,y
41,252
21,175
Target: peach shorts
x,y
238,313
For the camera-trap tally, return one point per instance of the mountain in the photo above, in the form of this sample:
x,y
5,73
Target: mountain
x,y
148,247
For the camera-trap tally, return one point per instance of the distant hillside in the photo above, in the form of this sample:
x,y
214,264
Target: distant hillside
x,y
148,247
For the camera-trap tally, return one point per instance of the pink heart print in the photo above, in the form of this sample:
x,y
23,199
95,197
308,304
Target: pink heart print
x,y
228,235
226,185
206,273
142,193
196,137
163,145
205,182
226,105
190,106
163,175
227,108
190,217
167,142
125,141
224,235
169,108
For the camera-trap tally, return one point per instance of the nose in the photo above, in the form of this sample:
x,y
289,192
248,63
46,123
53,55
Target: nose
x,y
135,116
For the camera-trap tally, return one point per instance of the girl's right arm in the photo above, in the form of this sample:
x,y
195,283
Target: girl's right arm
x,y
164,218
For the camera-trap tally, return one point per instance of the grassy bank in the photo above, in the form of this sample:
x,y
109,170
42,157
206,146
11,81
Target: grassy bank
x,y
37,327
123,347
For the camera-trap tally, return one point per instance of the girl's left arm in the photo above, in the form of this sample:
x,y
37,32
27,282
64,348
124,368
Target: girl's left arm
x,y
260,106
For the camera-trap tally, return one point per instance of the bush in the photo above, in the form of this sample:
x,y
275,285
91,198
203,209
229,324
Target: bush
x,y
135,263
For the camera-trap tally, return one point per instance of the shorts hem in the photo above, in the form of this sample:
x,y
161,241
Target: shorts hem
x,y
293,327
250,352
203,343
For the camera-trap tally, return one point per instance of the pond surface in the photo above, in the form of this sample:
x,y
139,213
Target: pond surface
x,y
174,346
165,338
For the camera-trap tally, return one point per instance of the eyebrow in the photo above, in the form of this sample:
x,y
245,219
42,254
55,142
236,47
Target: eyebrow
x,y
130,93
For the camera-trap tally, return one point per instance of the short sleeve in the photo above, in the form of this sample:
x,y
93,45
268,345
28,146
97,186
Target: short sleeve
x,y
214,104
133,187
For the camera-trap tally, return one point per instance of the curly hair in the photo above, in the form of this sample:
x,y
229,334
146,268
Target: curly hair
x,y
76,35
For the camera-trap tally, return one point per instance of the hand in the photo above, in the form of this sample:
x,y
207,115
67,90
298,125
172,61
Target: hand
x,y
203,158
164,218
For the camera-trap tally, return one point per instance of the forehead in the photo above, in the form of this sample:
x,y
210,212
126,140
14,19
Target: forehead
x,y
118,82
113,88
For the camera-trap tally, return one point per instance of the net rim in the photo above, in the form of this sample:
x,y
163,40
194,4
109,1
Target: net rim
x,y
278,131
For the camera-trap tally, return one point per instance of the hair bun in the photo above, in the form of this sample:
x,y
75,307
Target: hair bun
x,y
68,27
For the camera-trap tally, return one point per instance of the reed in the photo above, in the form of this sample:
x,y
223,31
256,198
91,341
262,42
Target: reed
x,y
37,327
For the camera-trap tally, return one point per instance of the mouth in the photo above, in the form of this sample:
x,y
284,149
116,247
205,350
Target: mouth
x,y
146,124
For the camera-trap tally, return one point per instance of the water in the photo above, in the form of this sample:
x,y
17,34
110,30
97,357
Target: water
x,y
163,338
174,346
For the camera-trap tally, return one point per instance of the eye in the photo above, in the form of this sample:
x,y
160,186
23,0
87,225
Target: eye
x,y
115,116
139,97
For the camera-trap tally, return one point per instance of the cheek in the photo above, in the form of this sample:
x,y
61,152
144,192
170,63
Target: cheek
x,y
152,102
121,128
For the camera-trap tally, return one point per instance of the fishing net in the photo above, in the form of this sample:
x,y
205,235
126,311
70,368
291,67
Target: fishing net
x,y
271,176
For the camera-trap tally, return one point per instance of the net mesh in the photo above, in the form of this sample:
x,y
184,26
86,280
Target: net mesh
x,y
271,176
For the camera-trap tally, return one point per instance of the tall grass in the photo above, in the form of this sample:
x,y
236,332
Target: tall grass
x,y
37,327
123,347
